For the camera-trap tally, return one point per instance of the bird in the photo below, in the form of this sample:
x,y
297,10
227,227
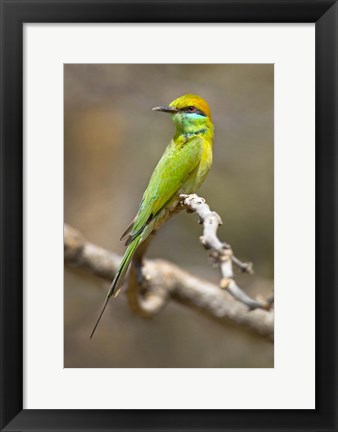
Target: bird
x,y
182,169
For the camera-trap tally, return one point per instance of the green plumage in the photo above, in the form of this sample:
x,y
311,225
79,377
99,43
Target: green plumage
x,y
182,169
123,267
177,163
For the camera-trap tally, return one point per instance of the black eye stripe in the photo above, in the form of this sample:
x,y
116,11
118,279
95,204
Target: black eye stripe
x,y
200,113
194,112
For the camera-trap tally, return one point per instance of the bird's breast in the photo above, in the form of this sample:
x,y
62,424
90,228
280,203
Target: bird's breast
x,y
197,177
205,164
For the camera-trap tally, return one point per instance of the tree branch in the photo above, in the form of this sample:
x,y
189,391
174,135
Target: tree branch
x,y
221,253
166,281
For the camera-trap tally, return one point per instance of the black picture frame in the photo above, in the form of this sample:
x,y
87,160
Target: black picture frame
x,y
14,14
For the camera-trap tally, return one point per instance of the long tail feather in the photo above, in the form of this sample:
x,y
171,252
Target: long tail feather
x,y
118,279
128,229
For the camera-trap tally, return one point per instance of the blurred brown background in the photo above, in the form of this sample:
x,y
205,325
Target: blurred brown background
x,y
112,143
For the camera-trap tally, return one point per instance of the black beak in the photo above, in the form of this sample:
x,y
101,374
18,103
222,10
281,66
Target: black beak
x,y
167,109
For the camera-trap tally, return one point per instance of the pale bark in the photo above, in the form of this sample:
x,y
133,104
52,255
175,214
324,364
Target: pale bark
x,y
153,284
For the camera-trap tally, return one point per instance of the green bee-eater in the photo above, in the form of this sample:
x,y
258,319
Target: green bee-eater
x,y
181,170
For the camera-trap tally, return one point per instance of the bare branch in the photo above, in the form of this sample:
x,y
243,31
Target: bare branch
x,y
221,253
166,281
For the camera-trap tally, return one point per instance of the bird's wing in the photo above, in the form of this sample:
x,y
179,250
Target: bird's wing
x,y
174,167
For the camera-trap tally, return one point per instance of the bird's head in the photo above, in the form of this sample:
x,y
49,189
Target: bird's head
x,y
190,113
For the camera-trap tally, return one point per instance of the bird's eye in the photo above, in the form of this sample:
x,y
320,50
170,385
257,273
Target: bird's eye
x,y
191,109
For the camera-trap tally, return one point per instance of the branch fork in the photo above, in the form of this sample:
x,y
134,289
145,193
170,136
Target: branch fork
x,y
160,281
149,302
221,253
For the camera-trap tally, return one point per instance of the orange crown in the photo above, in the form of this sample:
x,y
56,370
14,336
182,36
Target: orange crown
x,y
192,100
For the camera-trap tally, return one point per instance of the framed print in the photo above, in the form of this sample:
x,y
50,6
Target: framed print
x,y
88,91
